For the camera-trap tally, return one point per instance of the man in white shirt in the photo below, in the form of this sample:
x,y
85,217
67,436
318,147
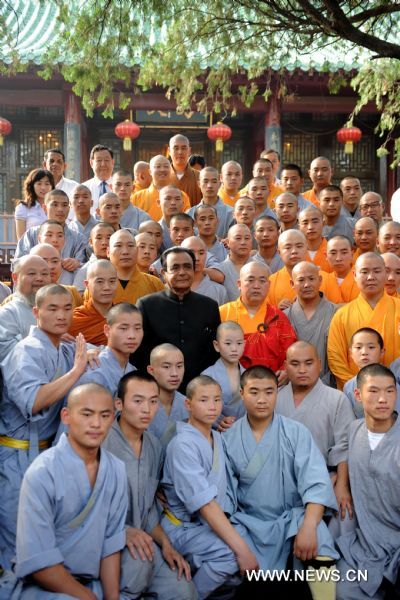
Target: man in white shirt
x,y
102,163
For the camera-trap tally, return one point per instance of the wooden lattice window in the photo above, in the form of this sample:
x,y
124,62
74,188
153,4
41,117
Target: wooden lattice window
x,y
33,143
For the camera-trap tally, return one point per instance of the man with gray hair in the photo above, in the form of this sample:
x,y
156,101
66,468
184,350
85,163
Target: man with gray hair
x,y
30,273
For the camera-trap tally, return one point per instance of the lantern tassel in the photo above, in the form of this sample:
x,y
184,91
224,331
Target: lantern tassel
x,y
348,148
219,146
127,145
1,140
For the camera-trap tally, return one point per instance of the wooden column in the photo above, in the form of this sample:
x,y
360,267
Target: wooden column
x,y
73,136
273,130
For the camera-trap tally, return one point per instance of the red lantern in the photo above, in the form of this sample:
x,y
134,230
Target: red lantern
x,y
347,136
5,129
128,131
219,133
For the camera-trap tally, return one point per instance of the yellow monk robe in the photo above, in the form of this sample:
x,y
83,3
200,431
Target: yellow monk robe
x,y
77,299
137,188
311,196
384,318
226,198
140,284
280,288
86,319
343,292
274,191
236,311
320,257
147,200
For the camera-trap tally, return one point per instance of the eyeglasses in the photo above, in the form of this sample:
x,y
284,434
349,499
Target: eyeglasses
x,y
373,205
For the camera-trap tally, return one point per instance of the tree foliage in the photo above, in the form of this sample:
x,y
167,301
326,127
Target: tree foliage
x,y
207,55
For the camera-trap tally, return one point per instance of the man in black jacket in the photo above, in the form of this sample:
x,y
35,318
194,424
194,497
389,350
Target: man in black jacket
x,y
179,316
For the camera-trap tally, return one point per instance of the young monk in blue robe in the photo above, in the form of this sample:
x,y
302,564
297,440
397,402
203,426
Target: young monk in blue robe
x,y
227,370
194,483
37,375
167,365
374,458
73,503
150,564
278,481
124,332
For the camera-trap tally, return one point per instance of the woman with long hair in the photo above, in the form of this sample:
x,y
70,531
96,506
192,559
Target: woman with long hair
x,y
30,212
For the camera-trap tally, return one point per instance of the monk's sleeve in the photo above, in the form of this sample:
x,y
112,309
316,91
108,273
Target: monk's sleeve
x,y
337,351
230,505
36,539
190,477
343,418
79,249
313,481
115,537
10,331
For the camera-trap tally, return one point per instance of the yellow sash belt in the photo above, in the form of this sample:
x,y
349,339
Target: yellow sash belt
x,y
22,444
171,517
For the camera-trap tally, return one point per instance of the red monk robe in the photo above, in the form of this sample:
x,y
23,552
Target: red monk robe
x,y
86,319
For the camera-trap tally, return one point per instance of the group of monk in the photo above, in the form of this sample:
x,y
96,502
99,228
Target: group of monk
x,y
200,384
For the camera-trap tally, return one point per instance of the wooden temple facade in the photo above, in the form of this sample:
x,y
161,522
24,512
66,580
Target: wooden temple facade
x,y
302,126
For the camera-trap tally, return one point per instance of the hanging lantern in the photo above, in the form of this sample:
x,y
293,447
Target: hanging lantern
x,y
219,133
5,129
348,136
128,131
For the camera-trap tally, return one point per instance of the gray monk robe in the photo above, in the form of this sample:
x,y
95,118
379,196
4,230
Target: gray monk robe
x,y
375,484
314,330
137,576
327,413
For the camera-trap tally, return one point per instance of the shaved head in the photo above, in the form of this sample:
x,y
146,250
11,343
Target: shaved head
x,y
301,346
161,350
24,262
97,265
230,163
304,267
361,260
108,196
78,395
140,166
45,251
255,267
310,211
120,234
291,234
179,139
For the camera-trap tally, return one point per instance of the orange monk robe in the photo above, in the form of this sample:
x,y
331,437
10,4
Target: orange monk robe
x,y
384,318
86,319
274,191
189,184
320,257
77,299
140,284
280,288
226,198
311,196
344,292
147,200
